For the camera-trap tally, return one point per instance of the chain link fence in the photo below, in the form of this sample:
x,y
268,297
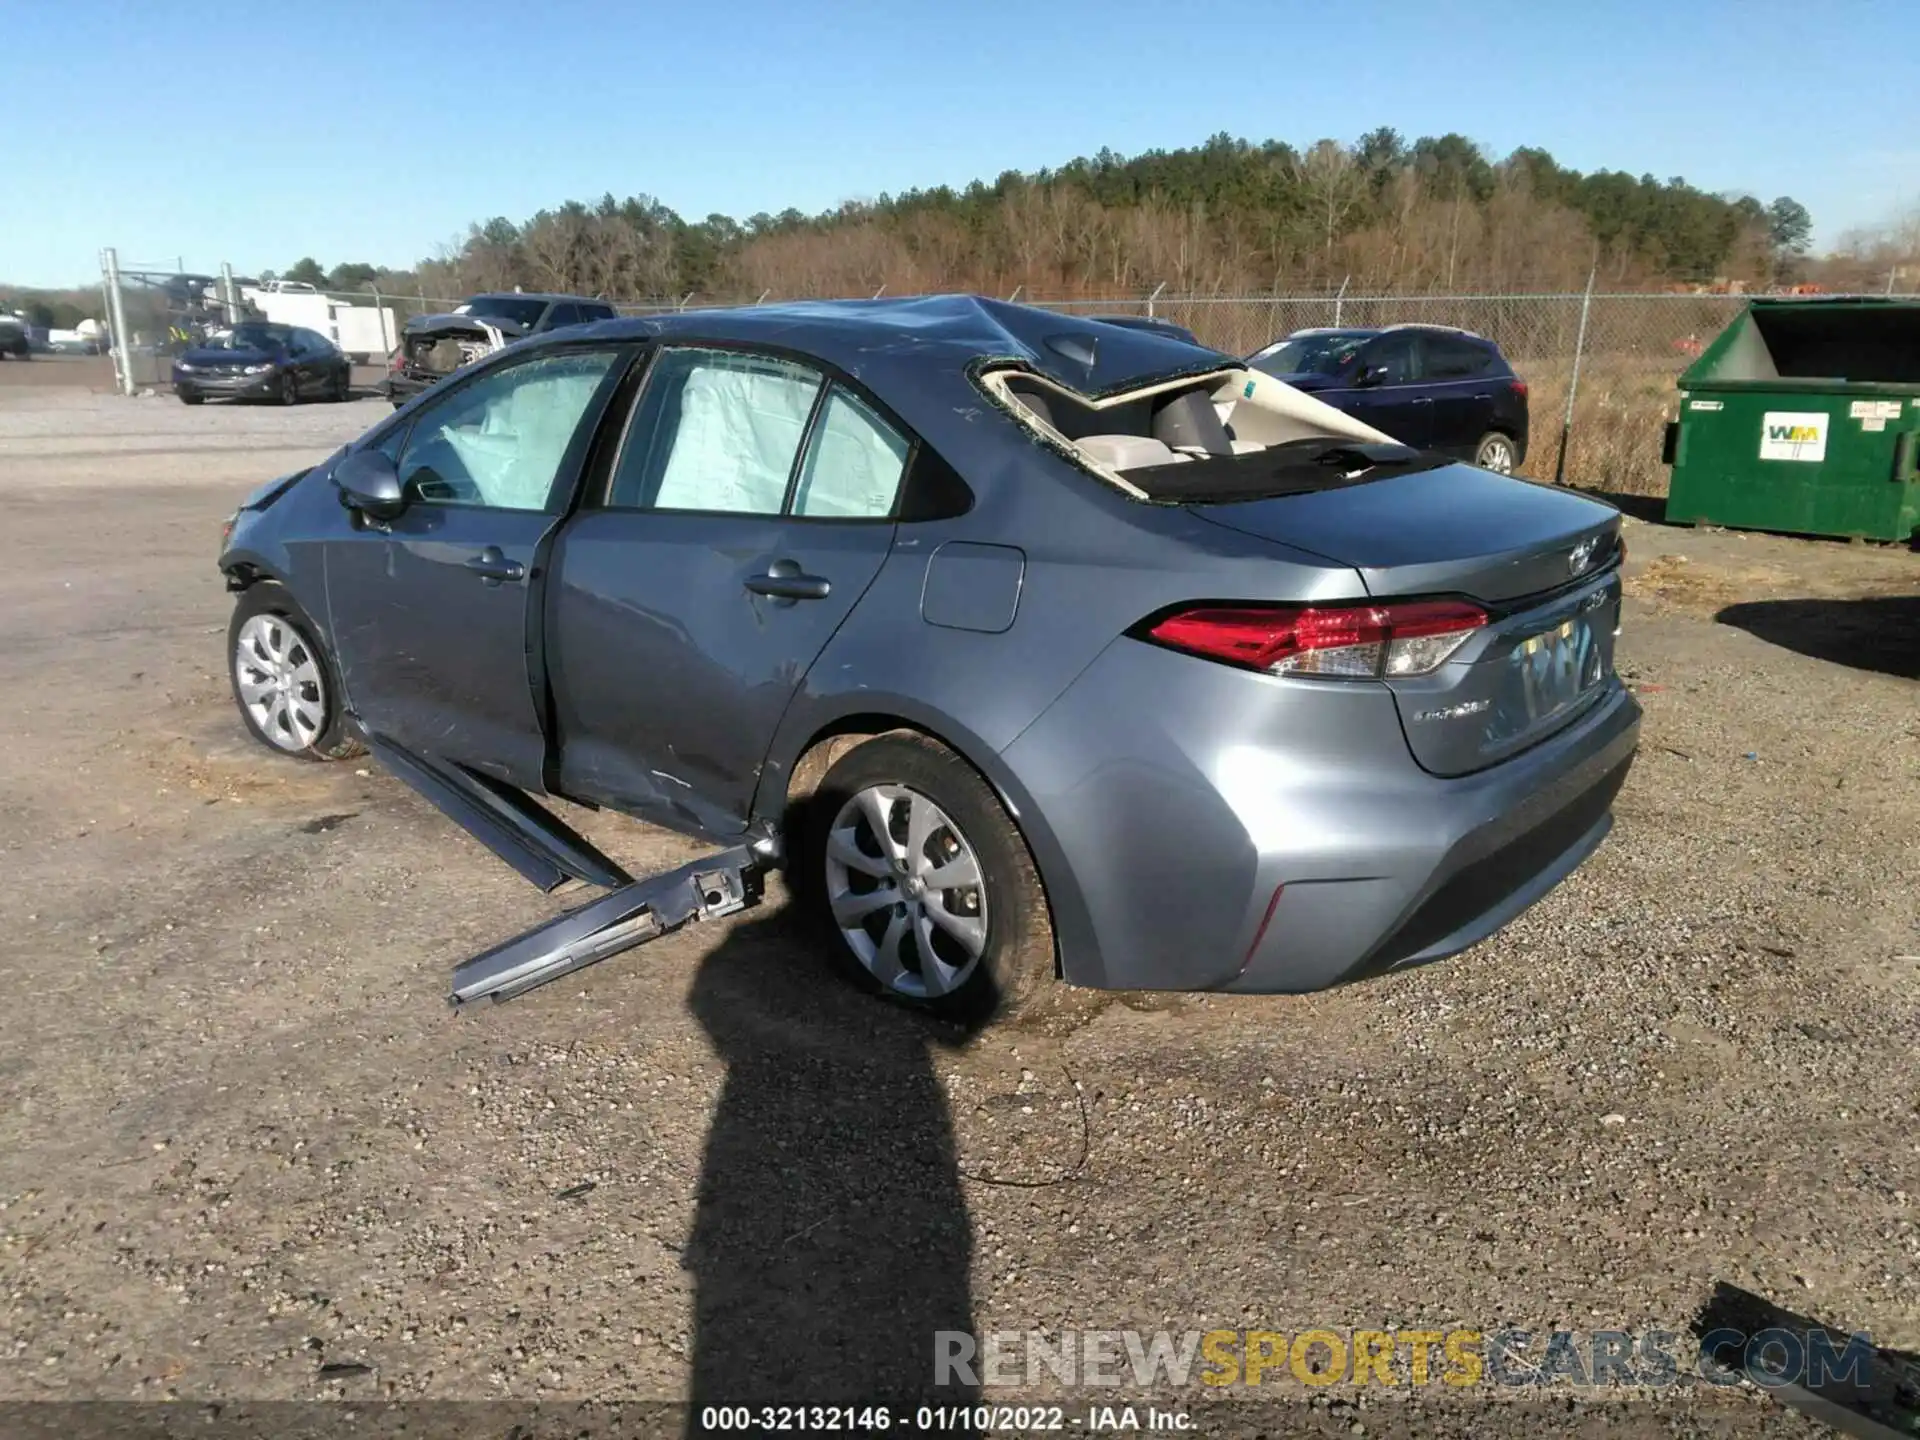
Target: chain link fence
x,y
1607,378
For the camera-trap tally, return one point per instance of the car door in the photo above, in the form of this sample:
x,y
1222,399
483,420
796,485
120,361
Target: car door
x,y
432,615
1387,392
750,507
315,359
1460,376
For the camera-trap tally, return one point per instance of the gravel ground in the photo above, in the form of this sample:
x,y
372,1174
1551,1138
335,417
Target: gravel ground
x,y
246,1153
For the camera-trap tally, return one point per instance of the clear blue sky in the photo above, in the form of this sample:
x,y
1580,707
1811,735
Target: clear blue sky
x,y
377,131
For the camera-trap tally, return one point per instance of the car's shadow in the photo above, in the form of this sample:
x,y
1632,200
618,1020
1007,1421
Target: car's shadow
x,y
830,1241
1650,508
1879,633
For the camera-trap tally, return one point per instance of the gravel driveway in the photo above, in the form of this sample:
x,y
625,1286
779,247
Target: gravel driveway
x,y
247,1154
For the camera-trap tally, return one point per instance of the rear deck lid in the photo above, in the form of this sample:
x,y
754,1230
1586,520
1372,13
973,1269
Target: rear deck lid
x,y
1448,530
1541,562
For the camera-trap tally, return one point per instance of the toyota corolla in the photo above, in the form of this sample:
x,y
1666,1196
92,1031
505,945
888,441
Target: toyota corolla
x,y
1036,649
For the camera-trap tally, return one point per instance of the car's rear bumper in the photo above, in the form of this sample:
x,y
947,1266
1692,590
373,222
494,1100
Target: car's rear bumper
x,y
1204,828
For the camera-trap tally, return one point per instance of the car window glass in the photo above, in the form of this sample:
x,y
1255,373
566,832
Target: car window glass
x,y
1451,357
499,441
561,315
853,465
715,430
598,312
1393,354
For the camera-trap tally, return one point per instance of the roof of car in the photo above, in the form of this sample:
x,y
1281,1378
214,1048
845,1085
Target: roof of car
x,y
534,295
942,333
1384,329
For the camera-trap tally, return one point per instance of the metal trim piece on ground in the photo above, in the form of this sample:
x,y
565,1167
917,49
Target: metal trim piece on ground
x,y
644,910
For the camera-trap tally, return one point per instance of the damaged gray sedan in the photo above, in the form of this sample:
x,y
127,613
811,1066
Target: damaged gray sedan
x,y
1035,649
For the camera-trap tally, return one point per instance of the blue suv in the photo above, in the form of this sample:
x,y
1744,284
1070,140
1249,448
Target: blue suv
x,y
1426,385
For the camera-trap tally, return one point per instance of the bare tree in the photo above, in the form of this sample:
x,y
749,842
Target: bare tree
x,y
1332,183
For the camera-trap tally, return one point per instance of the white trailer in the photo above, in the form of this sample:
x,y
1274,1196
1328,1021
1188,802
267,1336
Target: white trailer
x,y
364,332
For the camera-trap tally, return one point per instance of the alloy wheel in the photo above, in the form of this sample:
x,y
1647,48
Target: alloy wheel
x,y
279,681
907,892
1496,454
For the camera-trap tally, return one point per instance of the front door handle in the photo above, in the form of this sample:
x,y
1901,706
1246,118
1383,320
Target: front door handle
x,y
492,566
784,580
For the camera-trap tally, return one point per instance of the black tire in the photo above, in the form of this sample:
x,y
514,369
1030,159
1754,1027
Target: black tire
x,y
336,739
343,386
1015,974
189,398
288,391
1491,446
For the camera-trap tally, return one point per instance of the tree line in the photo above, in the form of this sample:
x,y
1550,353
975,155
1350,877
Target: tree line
x,y
1381,214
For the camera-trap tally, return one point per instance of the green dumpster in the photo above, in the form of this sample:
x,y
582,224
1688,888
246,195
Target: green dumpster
x,y
1803,416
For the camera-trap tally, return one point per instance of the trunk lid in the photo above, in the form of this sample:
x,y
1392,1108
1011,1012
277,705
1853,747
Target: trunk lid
x,y
1543,562
1452,530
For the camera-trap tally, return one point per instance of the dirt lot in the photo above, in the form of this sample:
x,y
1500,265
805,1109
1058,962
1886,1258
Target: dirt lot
x,y
246,1152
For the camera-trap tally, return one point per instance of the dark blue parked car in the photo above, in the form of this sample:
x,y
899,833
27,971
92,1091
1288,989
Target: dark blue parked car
x,y
1425,385
256,360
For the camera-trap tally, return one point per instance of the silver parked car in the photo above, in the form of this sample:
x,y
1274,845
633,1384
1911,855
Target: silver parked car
x,y
1034,647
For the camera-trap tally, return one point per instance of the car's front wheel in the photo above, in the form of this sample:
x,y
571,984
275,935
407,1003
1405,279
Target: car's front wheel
x,y
1495,452
284,682
923,882
288,391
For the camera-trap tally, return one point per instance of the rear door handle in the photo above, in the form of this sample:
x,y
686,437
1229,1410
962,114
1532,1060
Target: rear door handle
x,y
493,567
784,580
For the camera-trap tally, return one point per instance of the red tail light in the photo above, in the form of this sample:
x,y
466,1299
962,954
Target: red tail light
x,y
397,361
1519,387
1364,642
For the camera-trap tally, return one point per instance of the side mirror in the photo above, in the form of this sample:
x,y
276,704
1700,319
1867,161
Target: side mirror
x,y
1371,375
368,483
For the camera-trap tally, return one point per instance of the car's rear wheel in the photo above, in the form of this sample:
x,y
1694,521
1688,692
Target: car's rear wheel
x,y
343,386
284,682
1496,452
924,883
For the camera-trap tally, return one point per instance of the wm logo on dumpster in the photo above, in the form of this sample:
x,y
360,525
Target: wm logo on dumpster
x,y
1793,435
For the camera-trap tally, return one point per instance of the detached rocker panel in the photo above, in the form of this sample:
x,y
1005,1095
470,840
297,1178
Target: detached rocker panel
x,y
539,845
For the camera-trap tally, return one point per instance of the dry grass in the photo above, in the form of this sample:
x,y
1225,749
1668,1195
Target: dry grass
x,y
1675,582
1618,420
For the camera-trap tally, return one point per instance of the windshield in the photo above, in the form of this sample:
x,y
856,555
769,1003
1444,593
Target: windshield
x,y
1327,354
517,308
249,337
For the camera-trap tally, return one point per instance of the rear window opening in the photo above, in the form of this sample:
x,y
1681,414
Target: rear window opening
x,y
1234,434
